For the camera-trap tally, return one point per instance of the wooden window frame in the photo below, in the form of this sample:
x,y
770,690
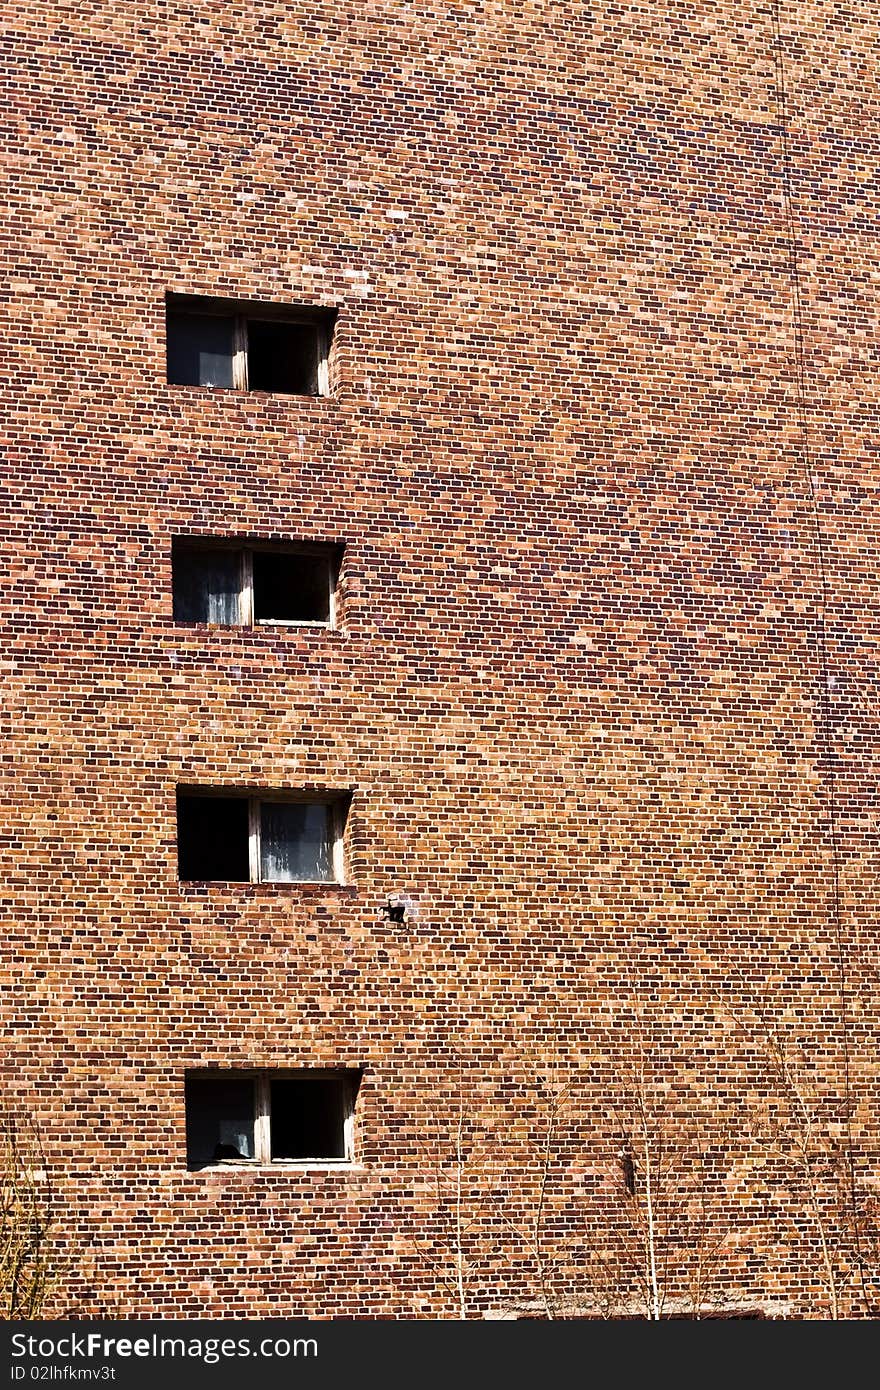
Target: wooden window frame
x,y
350,1077
321,318
338,806
330,553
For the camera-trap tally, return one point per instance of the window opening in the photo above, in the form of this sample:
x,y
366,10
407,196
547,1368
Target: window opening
x,y
248,347
270,1117
241,839
233,585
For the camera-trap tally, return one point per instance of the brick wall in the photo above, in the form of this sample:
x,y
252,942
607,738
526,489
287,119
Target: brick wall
x,y
575,690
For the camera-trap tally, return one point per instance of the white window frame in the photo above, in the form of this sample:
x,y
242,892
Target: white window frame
x,y
328,555
349,1078
321,319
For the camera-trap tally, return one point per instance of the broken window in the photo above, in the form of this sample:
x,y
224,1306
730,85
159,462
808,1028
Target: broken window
x,y
270,1117
249,347
224,582
260,839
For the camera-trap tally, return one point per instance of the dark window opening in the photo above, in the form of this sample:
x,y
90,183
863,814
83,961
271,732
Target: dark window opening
x,y
220,1116
213,838
309,1117
291,588
283,357
223,583
248,347
270,1117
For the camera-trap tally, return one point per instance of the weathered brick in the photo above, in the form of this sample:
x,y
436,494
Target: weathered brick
x,y
576,689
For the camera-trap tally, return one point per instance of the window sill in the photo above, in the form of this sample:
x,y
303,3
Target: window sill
x,y
293,622
282,1165
195,391
299,625
256,637
320,884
